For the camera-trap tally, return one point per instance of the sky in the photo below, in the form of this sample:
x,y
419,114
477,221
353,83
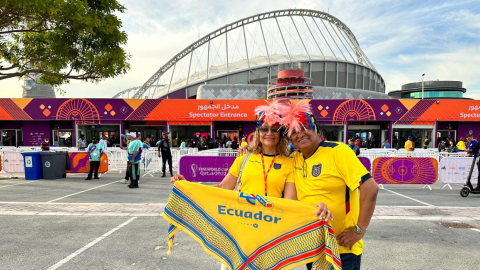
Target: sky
x,y
403,39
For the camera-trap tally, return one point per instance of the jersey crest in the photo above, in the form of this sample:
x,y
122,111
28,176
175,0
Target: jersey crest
x,y
316,170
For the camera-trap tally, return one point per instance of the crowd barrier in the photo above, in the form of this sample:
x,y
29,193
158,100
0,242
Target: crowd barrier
x,y
405,170
12,162
79,163
205,168
455,170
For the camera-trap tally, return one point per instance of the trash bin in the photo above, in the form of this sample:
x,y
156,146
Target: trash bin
x,y
53,165
32,163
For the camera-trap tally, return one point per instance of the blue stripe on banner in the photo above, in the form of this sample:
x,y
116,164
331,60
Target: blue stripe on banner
x,y
198,235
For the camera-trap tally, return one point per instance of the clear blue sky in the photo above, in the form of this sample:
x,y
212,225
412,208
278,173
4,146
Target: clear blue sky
x,y
403,39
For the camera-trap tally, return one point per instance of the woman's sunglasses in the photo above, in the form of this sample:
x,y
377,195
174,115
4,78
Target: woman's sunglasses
x,y
265,130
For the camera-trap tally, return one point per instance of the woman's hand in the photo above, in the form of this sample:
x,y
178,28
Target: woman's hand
x,y
323,212
176,177
242,150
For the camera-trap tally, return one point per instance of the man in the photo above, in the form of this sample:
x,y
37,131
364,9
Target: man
x,y
442,147
81,143
476,154
95,153
329,172
126,180
147,140
352,145
165,152
134,156
103,143
471,146
357,143
45,145
426,142
386,144
409,144
229,143
234,144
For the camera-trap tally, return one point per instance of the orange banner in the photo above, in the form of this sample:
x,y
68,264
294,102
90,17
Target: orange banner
x,y
452,110
205,110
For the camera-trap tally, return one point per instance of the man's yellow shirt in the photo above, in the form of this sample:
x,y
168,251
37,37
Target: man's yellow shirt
x,y
253,179
332,175
408,146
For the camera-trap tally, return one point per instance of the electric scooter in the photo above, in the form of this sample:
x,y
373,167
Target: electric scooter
x,y
468,188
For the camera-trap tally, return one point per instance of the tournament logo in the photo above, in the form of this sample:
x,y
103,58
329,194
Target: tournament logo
x,y
277,166
316,170
252,199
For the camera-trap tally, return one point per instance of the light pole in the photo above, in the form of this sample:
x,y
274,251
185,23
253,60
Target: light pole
x,y
423,76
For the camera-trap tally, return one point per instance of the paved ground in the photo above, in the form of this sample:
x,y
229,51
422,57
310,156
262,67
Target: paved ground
x,y
101,224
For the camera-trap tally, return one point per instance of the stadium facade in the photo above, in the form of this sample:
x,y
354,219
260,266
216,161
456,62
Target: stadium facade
x,y
240,60
431,90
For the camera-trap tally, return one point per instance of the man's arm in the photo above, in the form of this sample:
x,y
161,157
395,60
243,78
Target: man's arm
x,y
368,200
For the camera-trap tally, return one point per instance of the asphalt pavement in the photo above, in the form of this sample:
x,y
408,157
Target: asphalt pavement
x,y
102,224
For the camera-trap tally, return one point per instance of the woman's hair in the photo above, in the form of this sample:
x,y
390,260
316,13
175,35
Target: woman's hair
x,y
282,145
461,139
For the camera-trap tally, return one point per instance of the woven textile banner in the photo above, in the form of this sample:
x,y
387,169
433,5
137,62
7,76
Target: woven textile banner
x,y
455,170
79,163
405,170
205,169
245,231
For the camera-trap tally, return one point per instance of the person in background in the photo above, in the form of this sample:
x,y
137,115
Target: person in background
x,y
409,144
461,145
145,144
134,156
95,153
472,143
442,147
229,143
235,143
174,142
183,145
147,140
45,145
244,141
103,143
357,143
452,148
81,143
386,144
352,146
165,153
426,142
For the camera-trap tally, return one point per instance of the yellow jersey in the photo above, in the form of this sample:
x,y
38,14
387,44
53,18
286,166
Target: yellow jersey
x,y
408,146
461,146
253,182
332,175
243,144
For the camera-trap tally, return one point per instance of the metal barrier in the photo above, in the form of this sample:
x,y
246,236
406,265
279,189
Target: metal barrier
x,y
117,159
152,163
455,170
12,162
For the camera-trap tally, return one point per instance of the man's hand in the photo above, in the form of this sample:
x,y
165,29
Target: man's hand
x,y
242,150
132,161
348,239
176,177
323,212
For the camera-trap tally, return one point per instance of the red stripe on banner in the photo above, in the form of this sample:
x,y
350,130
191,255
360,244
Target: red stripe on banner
x,y
300,257
279,240
329,252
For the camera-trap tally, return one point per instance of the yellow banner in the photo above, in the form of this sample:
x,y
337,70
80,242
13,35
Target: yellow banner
x,y
246,231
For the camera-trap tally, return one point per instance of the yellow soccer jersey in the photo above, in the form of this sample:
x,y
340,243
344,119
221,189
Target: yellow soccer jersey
x,y
252,176
408,146
332,175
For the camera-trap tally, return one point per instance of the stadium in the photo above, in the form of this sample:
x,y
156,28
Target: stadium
x,y
241,59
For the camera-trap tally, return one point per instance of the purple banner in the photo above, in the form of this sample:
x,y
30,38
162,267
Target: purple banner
x,y
366,163
405,170
205,169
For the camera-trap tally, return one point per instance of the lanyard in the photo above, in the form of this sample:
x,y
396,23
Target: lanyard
x,y
265,175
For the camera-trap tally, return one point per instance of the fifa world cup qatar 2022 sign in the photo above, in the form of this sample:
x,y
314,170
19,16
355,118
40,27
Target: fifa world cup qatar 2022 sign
x,y
205,169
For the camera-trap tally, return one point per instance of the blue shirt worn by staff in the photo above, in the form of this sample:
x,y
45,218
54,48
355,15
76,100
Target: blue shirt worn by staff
x,y
471,146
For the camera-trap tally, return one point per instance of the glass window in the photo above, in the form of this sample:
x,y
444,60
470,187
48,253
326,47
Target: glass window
x,y
434,94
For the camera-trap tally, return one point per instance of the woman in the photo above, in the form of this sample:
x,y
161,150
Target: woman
x,y
461,145
271,172
452,148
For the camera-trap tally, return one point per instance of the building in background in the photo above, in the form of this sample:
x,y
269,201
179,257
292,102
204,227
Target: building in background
x,y
431,90
32,89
